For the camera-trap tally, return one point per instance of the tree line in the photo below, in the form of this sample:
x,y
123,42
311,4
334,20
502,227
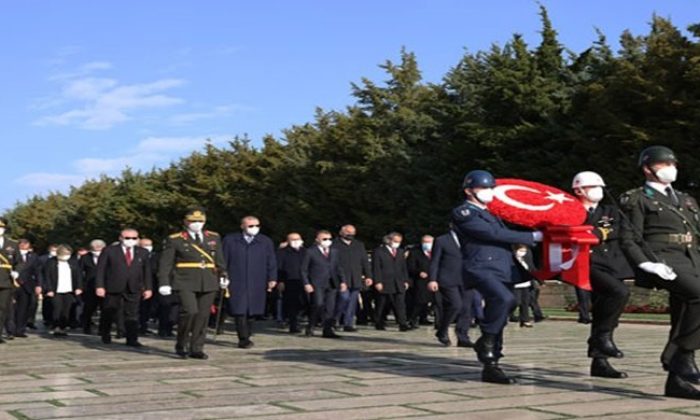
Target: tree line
x,y
394,159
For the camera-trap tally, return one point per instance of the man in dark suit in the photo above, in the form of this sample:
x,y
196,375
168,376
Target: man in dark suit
x,y
46,303
252,265
391,280
27,263
323,278
418,263
291,285
88,268
446,277
354,262
123,278
8,275
148,308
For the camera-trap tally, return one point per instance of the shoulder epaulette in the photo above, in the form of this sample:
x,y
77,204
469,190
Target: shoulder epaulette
x,y
632,194
176,235
212,233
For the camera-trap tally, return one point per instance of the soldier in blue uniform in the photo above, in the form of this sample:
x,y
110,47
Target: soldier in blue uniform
x,y
487,261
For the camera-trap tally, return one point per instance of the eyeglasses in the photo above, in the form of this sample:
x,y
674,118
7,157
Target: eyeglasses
x,y
250,226
325,239
131,237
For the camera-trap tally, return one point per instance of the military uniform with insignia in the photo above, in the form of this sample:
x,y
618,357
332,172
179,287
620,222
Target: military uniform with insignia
x,y
192,264
660,239
8,260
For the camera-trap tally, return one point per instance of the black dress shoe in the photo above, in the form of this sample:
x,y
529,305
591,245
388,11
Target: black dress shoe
x,y
87,331
425,322
10,337
294,330
683,365
404,328
380,327
443,339
119,335
350,329
601,368
676,387
244,344
21,335
465,343
181,352
106,339
135,344
493,374
309,332
31,326
584,321
485,348
199,355
540,319
331,334
603,346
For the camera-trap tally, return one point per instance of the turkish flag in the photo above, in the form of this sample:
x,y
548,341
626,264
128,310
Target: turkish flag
x,y
535,205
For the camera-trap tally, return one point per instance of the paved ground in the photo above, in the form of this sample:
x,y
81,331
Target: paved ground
x,y
366,375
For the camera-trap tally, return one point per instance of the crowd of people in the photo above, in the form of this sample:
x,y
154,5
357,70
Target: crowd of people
x,y
478,272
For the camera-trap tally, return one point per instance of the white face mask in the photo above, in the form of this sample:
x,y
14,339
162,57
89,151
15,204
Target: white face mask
x,y
149,248
396,245
252,231
485,196
96,253
296,244
427,246
63,257
196,227
521,253
667,175
130,243
24,251
595,194
326,243
52,253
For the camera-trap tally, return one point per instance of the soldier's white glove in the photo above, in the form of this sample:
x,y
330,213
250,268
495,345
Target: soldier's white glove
x,y
537,236
224,282
165,290
660,269
14,274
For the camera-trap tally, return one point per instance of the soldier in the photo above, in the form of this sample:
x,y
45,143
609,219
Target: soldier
x,y
192,264
607,271
660,240
487,261
8,255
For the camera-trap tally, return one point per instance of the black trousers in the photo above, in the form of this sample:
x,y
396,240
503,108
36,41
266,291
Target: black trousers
x,y
366,310
10,319
244,327
33,307
23,301
522,302
535,301
62,305
192,322
168,309
457,304
118,305
398,304
47,311
294,299
322,306
91,302
583,297
610,295
5,304
422,298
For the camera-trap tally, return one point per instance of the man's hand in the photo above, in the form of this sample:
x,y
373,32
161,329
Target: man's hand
x,y
165,290
343,287
37,290
271,285
49,294
660,269
368,282
406,285
379,287
224,282
78,292
433,286
537,236
147,294
14,275
308,288
423,275
100,292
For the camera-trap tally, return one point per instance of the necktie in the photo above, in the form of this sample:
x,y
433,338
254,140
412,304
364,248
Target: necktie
x,y
672,195
429,254
128,256
393,252
199,238
325,252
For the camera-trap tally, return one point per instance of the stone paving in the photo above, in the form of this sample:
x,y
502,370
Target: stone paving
x,y
367,375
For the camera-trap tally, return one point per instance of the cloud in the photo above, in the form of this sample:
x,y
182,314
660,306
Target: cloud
x,y
49,180
216,112
108,103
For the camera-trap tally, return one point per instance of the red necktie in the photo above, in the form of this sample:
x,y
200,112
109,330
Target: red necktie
x,y
430,254
325,252
393,252
128,257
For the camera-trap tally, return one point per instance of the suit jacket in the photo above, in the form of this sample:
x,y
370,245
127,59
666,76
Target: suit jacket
x,y
320,271
446,264
391,272
116,276
353,261
8,256
607,255
51,275
88,267
27,269
289,262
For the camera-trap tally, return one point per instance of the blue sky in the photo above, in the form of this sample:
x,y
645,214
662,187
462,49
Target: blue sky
x,y
91,87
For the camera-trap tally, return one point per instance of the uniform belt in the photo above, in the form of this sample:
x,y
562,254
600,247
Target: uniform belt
x,y
672,238
8,266
194,265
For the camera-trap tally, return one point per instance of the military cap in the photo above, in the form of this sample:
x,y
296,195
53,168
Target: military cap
x,y
196,214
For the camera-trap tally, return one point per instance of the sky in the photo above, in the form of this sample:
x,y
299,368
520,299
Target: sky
x,y
93,87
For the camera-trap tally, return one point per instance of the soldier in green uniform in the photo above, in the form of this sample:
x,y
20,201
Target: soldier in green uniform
x,y
660,239
8,256
192,265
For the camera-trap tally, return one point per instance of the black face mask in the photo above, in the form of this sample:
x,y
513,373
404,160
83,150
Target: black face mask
x,y
348,237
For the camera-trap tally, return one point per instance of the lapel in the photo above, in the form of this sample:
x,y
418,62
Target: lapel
x,y
658,196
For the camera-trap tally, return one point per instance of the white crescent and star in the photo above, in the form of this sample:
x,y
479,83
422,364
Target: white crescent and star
x,y
501,193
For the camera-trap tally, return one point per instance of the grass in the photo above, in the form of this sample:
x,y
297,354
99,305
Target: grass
x,y
562,313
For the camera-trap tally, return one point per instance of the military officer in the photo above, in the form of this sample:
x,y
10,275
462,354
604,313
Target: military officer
x,y
660,240
487,261
8,256
192,264
608,269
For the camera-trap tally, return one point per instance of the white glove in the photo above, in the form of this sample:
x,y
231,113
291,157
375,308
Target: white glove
x,y
14,274
660,269
537,236
165,290
224,282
